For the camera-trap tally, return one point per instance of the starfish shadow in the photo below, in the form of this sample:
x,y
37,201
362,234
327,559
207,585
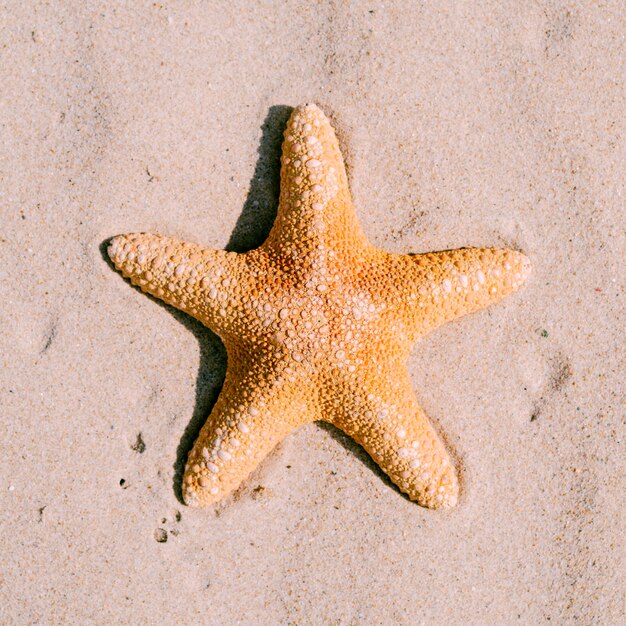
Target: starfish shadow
x,y
259,210
360,453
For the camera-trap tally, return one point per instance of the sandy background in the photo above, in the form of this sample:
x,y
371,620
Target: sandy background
x,y
497,123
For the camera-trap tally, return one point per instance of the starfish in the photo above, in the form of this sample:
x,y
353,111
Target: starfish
x,y
318,324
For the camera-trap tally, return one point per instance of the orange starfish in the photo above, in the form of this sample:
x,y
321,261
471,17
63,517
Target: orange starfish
x,y
318,325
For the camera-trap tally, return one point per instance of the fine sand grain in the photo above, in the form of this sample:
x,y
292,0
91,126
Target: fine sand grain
x,y
462,123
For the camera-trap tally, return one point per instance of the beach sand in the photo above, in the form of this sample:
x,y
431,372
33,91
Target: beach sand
x,y
462,124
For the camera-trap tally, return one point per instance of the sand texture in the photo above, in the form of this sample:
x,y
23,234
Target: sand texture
x,y
462,124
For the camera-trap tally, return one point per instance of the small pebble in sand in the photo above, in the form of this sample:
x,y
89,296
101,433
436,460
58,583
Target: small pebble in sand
x,y
139,445
160,535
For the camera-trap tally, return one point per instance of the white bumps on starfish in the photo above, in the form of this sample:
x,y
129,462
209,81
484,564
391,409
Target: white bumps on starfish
x,y
318,325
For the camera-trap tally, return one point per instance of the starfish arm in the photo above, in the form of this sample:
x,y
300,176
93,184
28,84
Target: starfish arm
x,y
315,207
383,415
260,403
197,280
434,288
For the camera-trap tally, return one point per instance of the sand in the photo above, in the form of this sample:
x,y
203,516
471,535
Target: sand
x,y
492,123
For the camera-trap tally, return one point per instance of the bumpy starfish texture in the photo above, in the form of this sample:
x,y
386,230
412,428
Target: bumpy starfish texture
x,y
318,325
